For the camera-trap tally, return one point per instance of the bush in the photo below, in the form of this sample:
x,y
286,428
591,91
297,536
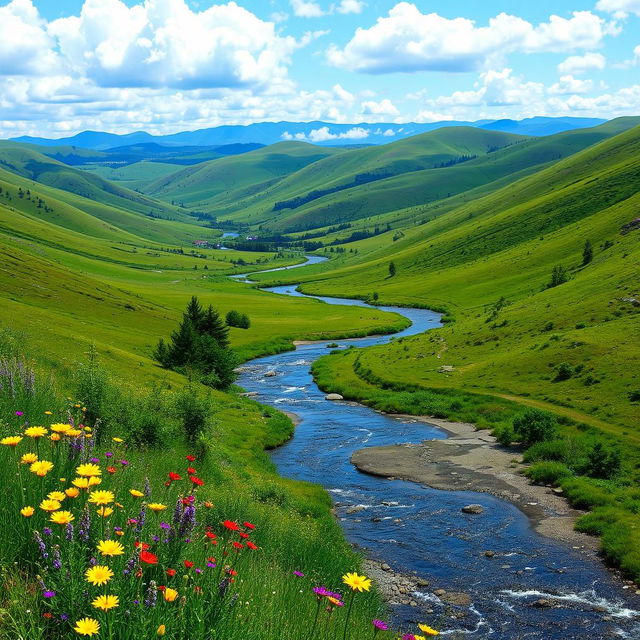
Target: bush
x,y
552,450
238,320
192,409
534,425
563,372
504,434
548,472
603,462
559,276
582,493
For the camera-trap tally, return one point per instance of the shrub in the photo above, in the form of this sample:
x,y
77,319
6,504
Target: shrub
x,y
504,434
559,276
582,493
553,450
603,462
192,409
238,320
548,472
534,425
563,372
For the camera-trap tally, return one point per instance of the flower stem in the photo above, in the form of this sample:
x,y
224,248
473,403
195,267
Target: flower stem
x,y
346,622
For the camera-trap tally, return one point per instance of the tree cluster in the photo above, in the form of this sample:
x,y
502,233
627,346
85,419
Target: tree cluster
x,y
237,319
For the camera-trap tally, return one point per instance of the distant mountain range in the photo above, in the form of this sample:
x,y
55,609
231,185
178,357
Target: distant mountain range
x,y
322,133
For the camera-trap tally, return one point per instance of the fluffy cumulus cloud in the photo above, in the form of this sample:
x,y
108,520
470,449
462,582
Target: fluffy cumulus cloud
x,y
312,9
569,85
620,8
383,107
407,40
350,6
581,64
323,134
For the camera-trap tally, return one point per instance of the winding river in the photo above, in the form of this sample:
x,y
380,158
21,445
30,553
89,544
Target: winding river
x,y
422,530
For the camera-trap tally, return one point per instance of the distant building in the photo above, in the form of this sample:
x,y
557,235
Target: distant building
x,y
201,243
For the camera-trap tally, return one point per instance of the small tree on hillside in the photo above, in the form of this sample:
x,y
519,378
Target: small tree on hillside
x,y
534,426
392,269
587,253
559,276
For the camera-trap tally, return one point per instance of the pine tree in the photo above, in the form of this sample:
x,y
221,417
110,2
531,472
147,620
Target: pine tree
x,y
213,325
183,347
195,313
587,253
392,269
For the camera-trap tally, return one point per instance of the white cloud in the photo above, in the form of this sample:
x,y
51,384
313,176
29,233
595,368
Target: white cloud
x,y
323,134
408,40
570,85
384,107
620,8
575,65
306,8
350,6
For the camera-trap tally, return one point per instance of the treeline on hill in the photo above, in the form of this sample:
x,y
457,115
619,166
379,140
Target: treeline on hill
x,y
199,348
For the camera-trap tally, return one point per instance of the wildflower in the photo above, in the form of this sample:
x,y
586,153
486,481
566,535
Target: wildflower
x,y
110,548
252,546
111,470
356,582
88,470
48,594
248,525
60,428
117,439
208,504
174,476
55,437
35,432
11,441
106,602
191,471
104,512
148,558
101,497
170,594
41,467
72,492
108,455
210,535
48,413
98,575
73,433
299,574
196,481
124,463
171,572
27,512
87,627
19,413
29,458
232,526
56,495
135,493
50,505
379,625
428,630
242,534
191,458
335,602
156,506
239,545
162,629
62,517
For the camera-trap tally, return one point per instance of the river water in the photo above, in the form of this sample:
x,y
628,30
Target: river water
x,y
418,529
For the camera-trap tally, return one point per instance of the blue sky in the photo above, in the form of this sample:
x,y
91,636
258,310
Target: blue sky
x,y
170,65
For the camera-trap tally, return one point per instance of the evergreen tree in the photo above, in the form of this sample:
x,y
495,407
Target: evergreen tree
x,y
183,347
213,325
559,276
195,313
392,269
587,253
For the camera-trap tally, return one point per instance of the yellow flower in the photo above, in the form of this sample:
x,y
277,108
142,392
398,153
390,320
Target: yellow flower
x,y
93,481
117,439
356,582
156,506
73,433
59,427
48,413
29,458
50,505
135,493
56,495
87,627
419,637
208,504
35,432
85,483
27,512
104,511
98,575
87,428
89,469
110,548
101,497
72,492
170,594
41,467
11,441
428,630
162,629
62,517
55,437
106,602
119,532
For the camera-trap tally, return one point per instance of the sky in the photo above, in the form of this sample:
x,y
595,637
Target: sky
x,y
172,65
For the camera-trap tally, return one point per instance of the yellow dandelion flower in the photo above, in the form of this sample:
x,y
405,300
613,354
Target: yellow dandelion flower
x,y
29,458
72,492
80,483
162,629
135,493
27,512
110,548
106,602
41,467
170,594
101,497
94,480
428,630
48,413
11,441
104,512
156,506
50,505
59,427
35,432
73,433
98,575
55,437
356,582
62,517
87,627
56,495
88,470
117,439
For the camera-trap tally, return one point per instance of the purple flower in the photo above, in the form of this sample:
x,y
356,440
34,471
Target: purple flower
x,y
108,454
47,531
124,463
156,538
19,413
48,594
56,561
152,595
299,574
321,591
164,525
41,545
408,636
198,570
211,565
380,625
64,616
95,460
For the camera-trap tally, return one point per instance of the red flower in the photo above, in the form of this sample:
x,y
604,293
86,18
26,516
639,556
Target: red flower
x,y
171,572
210,535
162,588
191,471
196,481
242,534
237,545
232,572
232,526
211,559
47,615
191,458
141,545
174,476
111,469
248,525
148,557
188,564
251,545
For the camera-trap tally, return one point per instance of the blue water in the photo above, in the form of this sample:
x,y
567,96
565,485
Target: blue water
x,y
423,530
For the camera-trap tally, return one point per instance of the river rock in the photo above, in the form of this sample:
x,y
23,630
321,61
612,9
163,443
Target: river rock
x,y
356,509
270,374
333,396
385,567
489,554
456,598
542,603
473,508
